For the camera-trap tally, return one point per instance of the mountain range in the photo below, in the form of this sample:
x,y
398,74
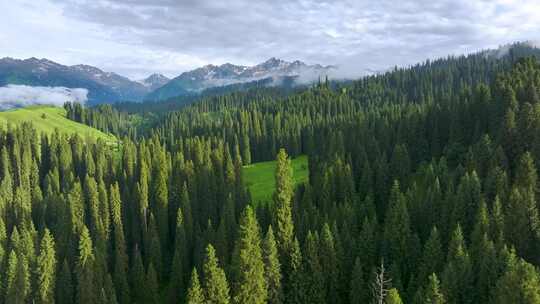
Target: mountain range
x,y
109,87
211,76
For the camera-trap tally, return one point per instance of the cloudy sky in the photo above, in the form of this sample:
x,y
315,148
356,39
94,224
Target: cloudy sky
x,y
139,37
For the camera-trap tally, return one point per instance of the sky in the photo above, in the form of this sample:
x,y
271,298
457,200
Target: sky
x,y
138,37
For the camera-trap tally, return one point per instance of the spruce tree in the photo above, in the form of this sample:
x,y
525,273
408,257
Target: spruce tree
x,y
313,272
282,200
393,297
216,287
46,270
432,293
18,279
294,289
272,268
137,278
179,262
519,284
357,286
64,285
195,293
87,291
251,285
151,286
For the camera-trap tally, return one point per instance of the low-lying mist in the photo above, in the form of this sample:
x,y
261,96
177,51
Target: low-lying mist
x,y
13,96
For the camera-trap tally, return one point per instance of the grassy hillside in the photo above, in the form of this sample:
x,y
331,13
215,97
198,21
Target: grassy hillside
x,y
48,118
260,179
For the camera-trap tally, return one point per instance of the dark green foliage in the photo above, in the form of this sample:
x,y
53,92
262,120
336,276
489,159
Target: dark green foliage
x,y
273,276
431,169
195,293
251,285
216,287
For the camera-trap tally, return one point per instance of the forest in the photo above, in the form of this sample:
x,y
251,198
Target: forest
x,y
423,188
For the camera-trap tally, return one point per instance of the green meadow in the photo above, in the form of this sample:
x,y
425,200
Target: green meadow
x,y
259,177
48,118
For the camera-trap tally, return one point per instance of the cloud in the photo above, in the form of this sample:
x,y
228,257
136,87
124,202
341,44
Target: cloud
x,y
135,37
12,96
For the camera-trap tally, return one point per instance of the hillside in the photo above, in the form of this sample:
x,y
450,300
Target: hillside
x,y
47,119
260,179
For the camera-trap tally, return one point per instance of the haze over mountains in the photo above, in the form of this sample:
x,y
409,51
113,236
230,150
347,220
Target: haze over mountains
x,y
109,87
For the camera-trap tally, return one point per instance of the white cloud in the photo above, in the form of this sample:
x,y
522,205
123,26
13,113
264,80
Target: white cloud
x,y
138,37
12,96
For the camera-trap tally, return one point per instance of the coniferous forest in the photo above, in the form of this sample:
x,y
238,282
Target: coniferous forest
x,y
423,188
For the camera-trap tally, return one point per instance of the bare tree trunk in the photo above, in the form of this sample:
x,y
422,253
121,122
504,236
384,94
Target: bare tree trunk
x,y
381,285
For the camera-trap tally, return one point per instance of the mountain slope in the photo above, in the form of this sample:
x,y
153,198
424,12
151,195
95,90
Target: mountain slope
x,y
102,86
154,81
47,119
211,76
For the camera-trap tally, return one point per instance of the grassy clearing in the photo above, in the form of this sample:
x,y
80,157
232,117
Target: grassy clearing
x,y
259,177
47,119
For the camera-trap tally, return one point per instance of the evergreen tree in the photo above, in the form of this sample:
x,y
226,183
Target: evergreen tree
x,y
282,199
357,289
138,278
272,269
179,263
251,286
519,284
18,279
215,283
294,289
195,293
46,269
120,255
87,291
432,293
393,297
64,285
457,275
151,286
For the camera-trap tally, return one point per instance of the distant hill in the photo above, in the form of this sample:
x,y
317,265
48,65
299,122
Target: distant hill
x,y
154,81
272,71
103,87
46,119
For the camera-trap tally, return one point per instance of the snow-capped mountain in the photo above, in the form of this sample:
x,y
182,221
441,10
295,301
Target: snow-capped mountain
x,y
154,81
102,86
210,76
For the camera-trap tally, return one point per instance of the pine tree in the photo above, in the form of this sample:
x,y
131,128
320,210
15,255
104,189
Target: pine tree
x,y
519,284
119,247
46,269
87,291
161,199
432,293
397,233
294,289
272,269
151,286
251,285
179,263
282,199
64,285
432,256
457,275
314,276
138,278
393,297
357,288
18,279
215,283
195,293
329,263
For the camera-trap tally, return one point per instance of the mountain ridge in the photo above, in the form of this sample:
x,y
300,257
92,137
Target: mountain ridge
x,y
211,76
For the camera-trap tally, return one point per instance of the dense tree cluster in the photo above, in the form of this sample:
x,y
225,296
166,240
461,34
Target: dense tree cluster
x,y
422,188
